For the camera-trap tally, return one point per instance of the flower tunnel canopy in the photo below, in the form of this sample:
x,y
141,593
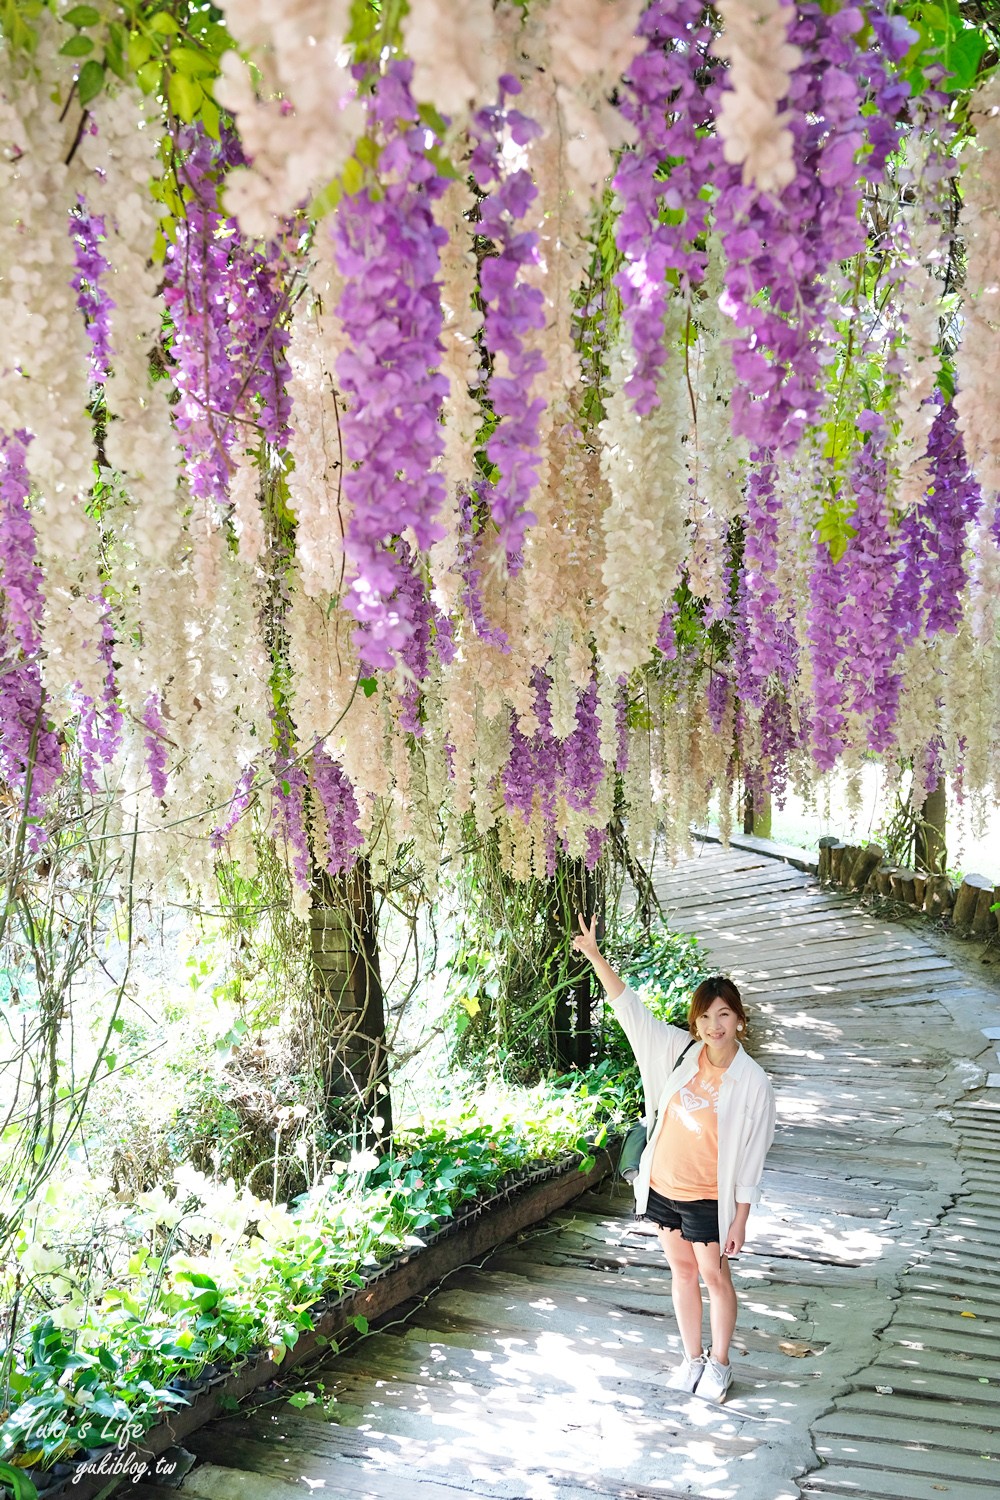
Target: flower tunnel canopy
x,y
524,416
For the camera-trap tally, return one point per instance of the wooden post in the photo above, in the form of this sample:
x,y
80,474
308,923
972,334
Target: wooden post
x,y
901,882
984,922
349,1011
967,900
930,853
883,877
847,862
939,896
826,843
868,860
836,859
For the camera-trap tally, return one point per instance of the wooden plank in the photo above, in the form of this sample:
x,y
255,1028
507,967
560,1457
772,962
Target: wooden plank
x,y
869,1484
916,1410
931,1384
907,1457
883,1426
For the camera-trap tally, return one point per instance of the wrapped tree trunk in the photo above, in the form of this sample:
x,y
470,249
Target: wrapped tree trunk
x,y
348,1004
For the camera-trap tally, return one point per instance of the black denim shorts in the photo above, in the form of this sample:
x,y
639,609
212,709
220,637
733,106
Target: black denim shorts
x,y
698,1220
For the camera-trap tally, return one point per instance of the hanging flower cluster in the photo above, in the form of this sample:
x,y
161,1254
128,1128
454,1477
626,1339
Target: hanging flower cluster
x,y
934,536
513,309
448,473
662,216
30,759
226,306
388,249
88,231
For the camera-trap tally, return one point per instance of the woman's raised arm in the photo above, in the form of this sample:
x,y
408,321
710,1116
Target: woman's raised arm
x,y
585,942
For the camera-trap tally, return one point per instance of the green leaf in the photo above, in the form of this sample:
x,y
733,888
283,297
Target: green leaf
x,y
90,82
210,117
299,1399
114,52
185,96
367,151
963,58
353,176
77,46
192,63
361,1323
17,1481
368,685
140,50
163,24
82,15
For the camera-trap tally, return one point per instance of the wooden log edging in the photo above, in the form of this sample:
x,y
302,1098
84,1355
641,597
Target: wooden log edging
x,y
535,1196
968,906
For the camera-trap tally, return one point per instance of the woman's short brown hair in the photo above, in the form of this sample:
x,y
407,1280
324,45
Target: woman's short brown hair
x,y
718,987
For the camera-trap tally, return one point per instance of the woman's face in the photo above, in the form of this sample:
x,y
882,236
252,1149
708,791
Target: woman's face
x,y
718,1024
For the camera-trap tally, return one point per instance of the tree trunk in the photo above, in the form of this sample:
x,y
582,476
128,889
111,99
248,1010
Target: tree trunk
x,y
348,1004
930,852
757,814
575,891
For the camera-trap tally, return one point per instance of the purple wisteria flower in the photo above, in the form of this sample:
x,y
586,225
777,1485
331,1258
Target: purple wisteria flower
x,y
666,635
335,793
934,534
388,248
780,246
101,723
431,628
533,764
768,638
545,768
717,698
87,231
227,305
30,755
238,804
513,310
155,741
854,627
581,766
663,213
472,592
288,799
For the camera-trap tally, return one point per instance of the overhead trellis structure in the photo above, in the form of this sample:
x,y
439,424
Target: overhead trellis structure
x,y
520,415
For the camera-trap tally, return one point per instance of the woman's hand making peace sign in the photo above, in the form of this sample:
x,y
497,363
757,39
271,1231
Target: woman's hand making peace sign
x,y
585,943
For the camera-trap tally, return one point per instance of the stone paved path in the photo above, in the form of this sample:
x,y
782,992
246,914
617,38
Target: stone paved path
x,y
868,1345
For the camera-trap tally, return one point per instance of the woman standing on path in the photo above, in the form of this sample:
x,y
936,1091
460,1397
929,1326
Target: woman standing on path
x,y
712,1109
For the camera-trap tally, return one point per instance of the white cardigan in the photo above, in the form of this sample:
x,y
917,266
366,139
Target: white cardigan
x,y
746,1105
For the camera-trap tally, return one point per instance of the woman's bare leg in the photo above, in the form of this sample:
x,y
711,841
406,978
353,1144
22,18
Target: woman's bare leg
x,y
685,1289
721,1298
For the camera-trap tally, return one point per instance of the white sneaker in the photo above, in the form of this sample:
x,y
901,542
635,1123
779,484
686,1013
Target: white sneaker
x,y
715,1383
687,1374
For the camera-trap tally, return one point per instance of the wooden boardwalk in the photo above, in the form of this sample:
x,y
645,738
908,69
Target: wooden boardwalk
x,y
868,1347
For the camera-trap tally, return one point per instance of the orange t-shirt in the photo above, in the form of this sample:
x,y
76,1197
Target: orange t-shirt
x,y
686,1159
